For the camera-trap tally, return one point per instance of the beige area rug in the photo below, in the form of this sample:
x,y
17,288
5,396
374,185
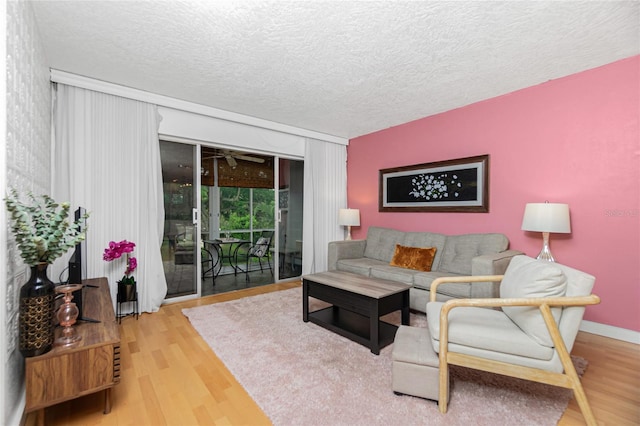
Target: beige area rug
x,y
300,373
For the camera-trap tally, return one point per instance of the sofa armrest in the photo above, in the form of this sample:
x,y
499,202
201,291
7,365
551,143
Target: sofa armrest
x,y
494,263
351,249
490,264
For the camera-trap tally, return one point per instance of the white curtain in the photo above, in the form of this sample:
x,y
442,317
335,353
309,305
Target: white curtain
x,y
106,158
325,193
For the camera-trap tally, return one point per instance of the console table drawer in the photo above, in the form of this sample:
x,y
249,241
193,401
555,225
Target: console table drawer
x,y
54,380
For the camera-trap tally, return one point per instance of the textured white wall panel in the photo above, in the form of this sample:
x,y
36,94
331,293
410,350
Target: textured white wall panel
x,y
28,168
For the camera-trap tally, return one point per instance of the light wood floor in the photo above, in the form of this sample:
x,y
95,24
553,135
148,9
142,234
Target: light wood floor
x,y
171,377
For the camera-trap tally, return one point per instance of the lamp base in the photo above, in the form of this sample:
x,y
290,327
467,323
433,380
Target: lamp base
x,y
348,233
545,253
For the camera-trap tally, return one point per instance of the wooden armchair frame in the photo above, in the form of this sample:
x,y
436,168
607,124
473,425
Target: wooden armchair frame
x,y
568,379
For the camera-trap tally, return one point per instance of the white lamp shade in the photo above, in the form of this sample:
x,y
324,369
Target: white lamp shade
x,y
349,217
546,217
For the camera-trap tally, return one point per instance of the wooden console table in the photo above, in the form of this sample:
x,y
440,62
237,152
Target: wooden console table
x,y
91,365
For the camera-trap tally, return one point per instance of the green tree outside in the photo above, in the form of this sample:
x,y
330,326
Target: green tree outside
x,y
235,205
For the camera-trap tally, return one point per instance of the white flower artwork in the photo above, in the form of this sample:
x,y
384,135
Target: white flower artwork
x,y
429,186
459,185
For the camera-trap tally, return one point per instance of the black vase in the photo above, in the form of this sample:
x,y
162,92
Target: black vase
x,y
36,313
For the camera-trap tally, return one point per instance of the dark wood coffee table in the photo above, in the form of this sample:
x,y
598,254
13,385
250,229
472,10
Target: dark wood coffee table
x,y
357,302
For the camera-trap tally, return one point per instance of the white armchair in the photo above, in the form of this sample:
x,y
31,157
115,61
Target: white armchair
x,y
529,337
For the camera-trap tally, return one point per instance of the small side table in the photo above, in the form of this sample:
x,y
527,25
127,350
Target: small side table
x,y
127,294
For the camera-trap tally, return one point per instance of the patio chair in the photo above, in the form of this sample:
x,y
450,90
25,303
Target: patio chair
x,y
261,250
185,243
530,337
211,257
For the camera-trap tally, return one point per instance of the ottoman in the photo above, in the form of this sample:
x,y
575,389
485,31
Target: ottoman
x,y
415,363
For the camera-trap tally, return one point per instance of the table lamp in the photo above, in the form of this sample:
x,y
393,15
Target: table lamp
x,y
546,218
349,218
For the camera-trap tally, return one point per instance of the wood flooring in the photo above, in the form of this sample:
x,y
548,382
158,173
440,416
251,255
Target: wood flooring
x,y
170,376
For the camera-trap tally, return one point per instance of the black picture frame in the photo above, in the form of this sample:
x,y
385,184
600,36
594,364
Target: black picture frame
x,y
459,185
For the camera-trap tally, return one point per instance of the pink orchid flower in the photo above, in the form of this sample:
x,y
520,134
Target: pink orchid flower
x,y
133,264
116,250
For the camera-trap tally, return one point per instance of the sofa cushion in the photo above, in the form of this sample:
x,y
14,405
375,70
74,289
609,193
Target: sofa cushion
x,y
418,258
361,266
381,243
423,281
527,277
393,273
426,239
460,249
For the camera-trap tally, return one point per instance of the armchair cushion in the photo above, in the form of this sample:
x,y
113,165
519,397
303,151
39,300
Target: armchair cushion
x,y
416,258
526,277
480,329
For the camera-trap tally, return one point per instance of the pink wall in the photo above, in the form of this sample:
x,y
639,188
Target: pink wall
x,y
573,140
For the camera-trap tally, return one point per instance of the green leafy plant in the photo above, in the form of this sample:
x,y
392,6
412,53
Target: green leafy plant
x,y
42,229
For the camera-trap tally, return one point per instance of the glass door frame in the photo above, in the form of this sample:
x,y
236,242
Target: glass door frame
x,y
279,222
276,219
198,218
197,190
197,222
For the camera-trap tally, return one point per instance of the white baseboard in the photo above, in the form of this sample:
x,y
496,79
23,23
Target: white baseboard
x,y
611,331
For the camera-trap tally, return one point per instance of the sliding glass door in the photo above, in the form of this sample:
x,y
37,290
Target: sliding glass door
x,y
242,197
290,205
180,245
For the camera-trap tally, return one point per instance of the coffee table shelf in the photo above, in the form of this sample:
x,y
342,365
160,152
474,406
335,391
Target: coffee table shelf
x,y
352,325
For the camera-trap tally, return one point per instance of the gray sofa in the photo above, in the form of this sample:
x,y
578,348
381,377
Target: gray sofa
x,y
456,255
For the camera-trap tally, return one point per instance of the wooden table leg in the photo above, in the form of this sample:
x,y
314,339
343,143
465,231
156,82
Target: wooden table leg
x,y
40,417
107,401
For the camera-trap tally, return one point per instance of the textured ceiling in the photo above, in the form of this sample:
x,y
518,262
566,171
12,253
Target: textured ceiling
x,y
343,68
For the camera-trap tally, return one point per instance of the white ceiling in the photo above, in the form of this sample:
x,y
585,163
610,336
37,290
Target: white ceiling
x,y
344,68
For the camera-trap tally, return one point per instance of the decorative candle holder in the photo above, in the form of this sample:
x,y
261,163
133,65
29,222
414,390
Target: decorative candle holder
x,y
67,315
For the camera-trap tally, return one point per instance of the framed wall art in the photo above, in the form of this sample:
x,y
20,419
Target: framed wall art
x,y
460,185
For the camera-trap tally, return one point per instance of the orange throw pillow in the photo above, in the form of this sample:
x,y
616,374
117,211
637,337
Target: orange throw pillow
x,y
416,258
